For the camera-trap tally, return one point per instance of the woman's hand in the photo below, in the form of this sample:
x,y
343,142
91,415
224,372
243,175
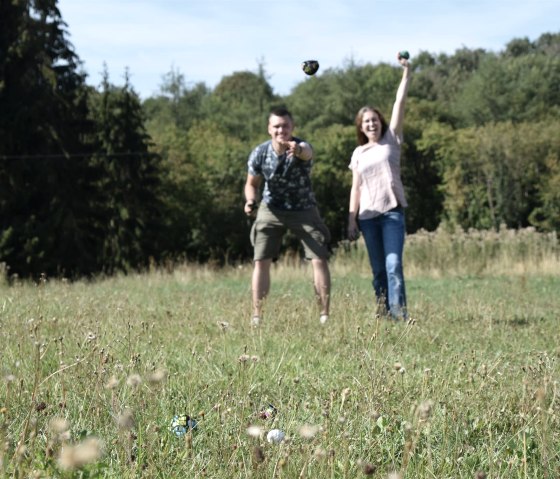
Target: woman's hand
x,y
353,230
402,58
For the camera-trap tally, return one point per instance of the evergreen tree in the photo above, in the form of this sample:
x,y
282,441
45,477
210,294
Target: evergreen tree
x,y
130,179
45,182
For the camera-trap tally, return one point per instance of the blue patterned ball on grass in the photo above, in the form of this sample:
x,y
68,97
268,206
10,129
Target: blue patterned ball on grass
x,y
181,424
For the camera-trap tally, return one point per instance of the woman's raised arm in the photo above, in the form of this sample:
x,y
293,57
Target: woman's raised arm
x,y
397,116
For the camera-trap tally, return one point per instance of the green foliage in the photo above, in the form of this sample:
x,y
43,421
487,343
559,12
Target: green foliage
x,y
332,178
419,170
439,79
518,88
336,96
490,173
45,184
130,179
241,102
169,117
462,161
77,183
92,180
547,214
176,106
222,168
204,141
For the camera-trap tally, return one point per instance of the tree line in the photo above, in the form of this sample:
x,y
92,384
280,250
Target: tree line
x,y
94,180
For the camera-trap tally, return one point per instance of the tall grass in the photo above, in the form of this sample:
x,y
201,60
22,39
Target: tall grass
x,y
93,372
489,253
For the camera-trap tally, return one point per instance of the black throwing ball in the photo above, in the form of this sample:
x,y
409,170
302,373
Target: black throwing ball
x,y
310,67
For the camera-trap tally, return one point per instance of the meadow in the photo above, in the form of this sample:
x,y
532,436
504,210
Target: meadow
x,y
94,371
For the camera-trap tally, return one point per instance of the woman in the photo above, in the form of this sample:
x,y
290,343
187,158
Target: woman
x,y
377,199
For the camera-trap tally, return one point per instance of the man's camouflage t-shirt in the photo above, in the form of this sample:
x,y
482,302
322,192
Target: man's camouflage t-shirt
x,y
287,178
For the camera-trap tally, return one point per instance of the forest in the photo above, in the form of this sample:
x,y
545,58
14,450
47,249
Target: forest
x,y
97,181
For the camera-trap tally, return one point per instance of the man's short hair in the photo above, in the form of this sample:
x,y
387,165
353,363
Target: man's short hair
x,y
281,111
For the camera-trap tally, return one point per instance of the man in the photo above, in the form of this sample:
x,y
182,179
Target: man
x,y
288,203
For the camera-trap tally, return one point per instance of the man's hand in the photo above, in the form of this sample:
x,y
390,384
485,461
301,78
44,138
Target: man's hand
x,y
250,207
299,150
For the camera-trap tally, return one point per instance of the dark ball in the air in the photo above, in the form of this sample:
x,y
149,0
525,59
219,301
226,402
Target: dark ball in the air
x,y
310,67
404,54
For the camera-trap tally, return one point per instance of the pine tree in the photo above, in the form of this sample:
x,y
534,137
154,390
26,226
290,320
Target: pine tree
x,y
130,179
45,180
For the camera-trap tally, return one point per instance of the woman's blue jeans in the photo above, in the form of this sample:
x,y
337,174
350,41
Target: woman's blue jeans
x,y
384,238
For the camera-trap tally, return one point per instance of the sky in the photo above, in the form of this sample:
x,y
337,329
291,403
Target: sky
x,y
205,40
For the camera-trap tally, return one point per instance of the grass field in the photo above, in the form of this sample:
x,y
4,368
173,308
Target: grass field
x,y
93,372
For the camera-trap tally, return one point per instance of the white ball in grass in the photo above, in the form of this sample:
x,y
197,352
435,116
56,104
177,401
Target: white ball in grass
x,y
275,436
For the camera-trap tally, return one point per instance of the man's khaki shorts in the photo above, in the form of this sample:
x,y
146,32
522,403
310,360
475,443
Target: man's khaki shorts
x,y
271,224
